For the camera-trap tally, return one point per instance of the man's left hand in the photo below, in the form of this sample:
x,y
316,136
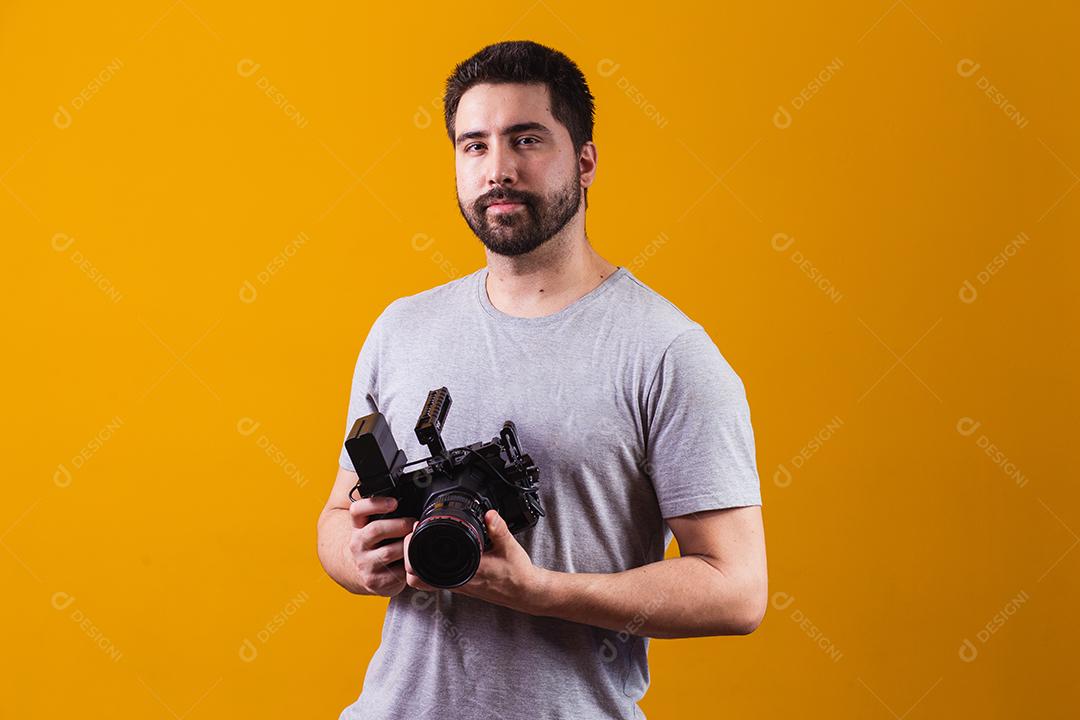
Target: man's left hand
x,y
506,575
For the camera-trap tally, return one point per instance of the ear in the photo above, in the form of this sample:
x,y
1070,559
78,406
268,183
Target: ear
x,y
587,163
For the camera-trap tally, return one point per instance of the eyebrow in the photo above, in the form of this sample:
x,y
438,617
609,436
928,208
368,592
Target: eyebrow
x,y
509,130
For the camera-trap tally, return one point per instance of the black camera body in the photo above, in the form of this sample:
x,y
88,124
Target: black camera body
x,y
450,494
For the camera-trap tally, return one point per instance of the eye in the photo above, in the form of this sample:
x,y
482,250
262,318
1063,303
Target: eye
x,y
471,145
534,140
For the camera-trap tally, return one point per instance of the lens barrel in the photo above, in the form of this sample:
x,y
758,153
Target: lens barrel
x,y
448,540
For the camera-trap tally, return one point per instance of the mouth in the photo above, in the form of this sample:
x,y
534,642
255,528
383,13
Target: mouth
x,y
504,206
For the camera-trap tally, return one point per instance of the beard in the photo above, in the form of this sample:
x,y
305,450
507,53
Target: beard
x,y
523,230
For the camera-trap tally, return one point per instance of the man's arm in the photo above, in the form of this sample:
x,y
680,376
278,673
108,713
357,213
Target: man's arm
x,y
360,554
333,530
719,585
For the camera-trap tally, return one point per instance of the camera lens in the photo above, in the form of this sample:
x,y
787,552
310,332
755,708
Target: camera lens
x,y
446,545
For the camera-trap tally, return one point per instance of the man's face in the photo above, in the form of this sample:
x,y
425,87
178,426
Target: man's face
x,y
518,178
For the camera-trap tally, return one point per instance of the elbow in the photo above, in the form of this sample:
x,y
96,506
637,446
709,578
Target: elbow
x,y
740,598
749,621
756,602
750,612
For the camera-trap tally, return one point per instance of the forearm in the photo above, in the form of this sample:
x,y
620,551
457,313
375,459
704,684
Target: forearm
x,y
678,597
333,548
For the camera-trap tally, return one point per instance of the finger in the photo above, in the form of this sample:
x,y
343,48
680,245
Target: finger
x,y
411,578
360,510
388,557
387,578
414,581
497,529
405,546
378,530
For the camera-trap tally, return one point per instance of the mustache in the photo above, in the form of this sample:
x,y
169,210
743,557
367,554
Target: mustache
x,y
503,195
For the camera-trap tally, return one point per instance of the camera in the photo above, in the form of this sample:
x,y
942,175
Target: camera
x,y
450,494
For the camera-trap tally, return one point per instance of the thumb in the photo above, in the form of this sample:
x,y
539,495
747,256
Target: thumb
x,y
496,527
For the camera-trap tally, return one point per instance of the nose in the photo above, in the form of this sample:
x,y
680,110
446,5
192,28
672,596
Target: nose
x,y
501,169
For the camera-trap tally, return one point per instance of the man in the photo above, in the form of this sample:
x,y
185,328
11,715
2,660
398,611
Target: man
x,y
639,427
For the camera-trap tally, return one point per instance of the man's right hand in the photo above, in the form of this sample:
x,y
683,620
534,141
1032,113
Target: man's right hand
x,y
380,568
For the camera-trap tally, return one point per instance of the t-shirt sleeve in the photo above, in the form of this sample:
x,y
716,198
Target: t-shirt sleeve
x,y
700,442
364,397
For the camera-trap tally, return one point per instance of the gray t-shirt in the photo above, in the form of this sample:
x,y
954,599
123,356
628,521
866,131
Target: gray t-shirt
x,y
630,413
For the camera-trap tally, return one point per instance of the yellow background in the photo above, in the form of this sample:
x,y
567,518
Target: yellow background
x,y
136,229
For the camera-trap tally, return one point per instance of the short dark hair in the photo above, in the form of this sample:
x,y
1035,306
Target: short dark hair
x,y
524,61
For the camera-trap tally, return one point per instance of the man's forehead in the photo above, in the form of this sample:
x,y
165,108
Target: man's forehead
x,y
505,103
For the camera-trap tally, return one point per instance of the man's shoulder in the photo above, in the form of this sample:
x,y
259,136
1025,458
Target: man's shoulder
x,y
673,339
650,315
430,303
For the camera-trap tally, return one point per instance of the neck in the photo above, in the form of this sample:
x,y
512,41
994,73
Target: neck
x,y
549,278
